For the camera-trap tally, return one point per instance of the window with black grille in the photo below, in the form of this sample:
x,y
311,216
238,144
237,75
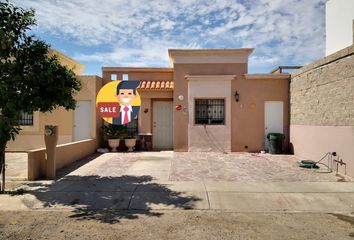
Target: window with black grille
x,y
132,127
210,111
26,119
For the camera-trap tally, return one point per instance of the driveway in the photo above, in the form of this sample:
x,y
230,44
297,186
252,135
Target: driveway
x,y
243,196
149,181
203,166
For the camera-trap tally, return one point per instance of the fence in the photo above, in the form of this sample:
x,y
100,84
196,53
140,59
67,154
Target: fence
x,y
65,155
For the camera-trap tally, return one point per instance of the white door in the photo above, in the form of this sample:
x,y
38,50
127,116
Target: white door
x,y
273,119
162,133
82,120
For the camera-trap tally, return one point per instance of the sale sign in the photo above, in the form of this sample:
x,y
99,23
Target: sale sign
x,y
118,102
108,109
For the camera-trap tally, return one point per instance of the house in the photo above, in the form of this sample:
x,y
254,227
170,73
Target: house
x,y
207,101
339,25
70,123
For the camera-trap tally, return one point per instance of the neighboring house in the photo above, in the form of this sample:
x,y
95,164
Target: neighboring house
x,y
339,25
207,101
79,124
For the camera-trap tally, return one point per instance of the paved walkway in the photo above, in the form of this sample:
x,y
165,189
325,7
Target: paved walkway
x,y
147,182
16,166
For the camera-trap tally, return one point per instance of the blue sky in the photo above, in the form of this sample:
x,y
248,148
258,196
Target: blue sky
x,y
138,33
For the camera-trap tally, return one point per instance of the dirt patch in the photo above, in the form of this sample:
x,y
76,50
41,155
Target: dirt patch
x,y
175,225
345,218
348,219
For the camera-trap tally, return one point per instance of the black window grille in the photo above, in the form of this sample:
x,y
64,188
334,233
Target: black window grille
x,y
26,119
132,127
210,111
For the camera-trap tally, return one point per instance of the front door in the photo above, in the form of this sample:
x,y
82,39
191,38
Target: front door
x,y
273,119
162,134
82,120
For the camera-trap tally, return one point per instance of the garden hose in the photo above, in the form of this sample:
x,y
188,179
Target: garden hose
x,y
314,164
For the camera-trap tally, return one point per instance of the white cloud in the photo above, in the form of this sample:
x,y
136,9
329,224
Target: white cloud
x,y
263,61
139,32
150,54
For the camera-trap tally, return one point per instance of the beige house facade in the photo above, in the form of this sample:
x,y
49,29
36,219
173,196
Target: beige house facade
x,y
205,101
32,134
192,105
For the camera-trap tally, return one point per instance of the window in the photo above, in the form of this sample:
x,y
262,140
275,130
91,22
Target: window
x,y
210,111
113,77
132,127
26,119
125,77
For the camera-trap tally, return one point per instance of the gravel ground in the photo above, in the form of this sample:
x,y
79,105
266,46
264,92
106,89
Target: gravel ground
x,y
175,225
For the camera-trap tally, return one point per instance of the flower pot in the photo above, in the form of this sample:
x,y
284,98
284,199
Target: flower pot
x,y
130,143
113,143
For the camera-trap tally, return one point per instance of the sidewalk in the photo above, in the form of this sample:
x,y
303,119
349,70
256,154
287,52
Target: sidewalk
x,y
238,197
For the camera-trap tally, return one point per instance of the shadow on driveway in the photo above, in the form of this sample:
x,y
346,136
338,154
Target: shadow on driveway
x,y
109,199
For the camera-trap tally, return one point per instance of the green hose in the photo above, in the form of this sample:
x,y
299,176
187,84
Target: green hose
x,y
314,165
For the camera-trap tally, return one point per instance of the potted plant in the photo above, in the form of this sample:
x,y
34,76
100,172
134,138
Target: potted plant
x,y
130,142
111,133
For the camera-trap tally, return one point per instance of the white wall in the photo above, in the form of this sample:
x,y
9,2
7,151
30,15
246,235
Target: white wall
x,y
339,25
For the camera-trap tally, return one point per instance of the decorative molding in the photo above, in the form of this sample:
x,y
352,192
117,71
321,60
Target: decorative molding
x,y
215,78
136,69
267,76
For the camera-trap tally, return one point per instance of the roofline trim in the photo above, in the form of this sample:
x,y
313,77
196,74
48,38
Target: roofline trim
x,y
138,69
267,76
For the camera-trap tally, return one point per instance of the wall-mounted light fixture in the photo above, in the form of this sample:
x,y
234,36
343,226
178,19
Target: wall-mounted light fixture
x,y
180,97
237,96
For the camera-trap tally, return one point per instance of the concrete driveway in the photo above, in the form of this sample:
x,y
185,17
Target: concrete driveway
x,y
203,166
151,181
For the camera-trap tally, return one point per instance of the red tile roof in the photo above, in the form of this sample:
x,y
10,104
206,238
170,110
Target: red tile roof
x,y
162,85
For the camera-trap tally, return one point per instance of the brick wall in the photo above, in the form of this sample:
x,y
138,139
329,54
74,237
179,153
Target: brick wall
x,y
322,93
322,109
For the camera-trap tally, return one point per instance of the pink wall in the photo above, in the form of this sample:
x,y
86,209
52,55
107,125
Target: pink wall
x,y
209,137
247,124
181,118
312,142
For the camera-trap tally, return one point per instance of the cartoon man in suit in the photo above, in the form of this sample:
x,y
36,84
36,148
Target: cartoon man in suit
x,y
126,93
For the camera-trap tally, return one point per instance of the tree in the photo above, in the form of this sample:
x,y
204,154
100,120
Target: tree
x,y
30,80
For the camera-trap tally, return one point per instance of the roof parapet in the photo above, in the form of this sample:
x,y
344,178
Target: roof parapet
x,y
209,55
